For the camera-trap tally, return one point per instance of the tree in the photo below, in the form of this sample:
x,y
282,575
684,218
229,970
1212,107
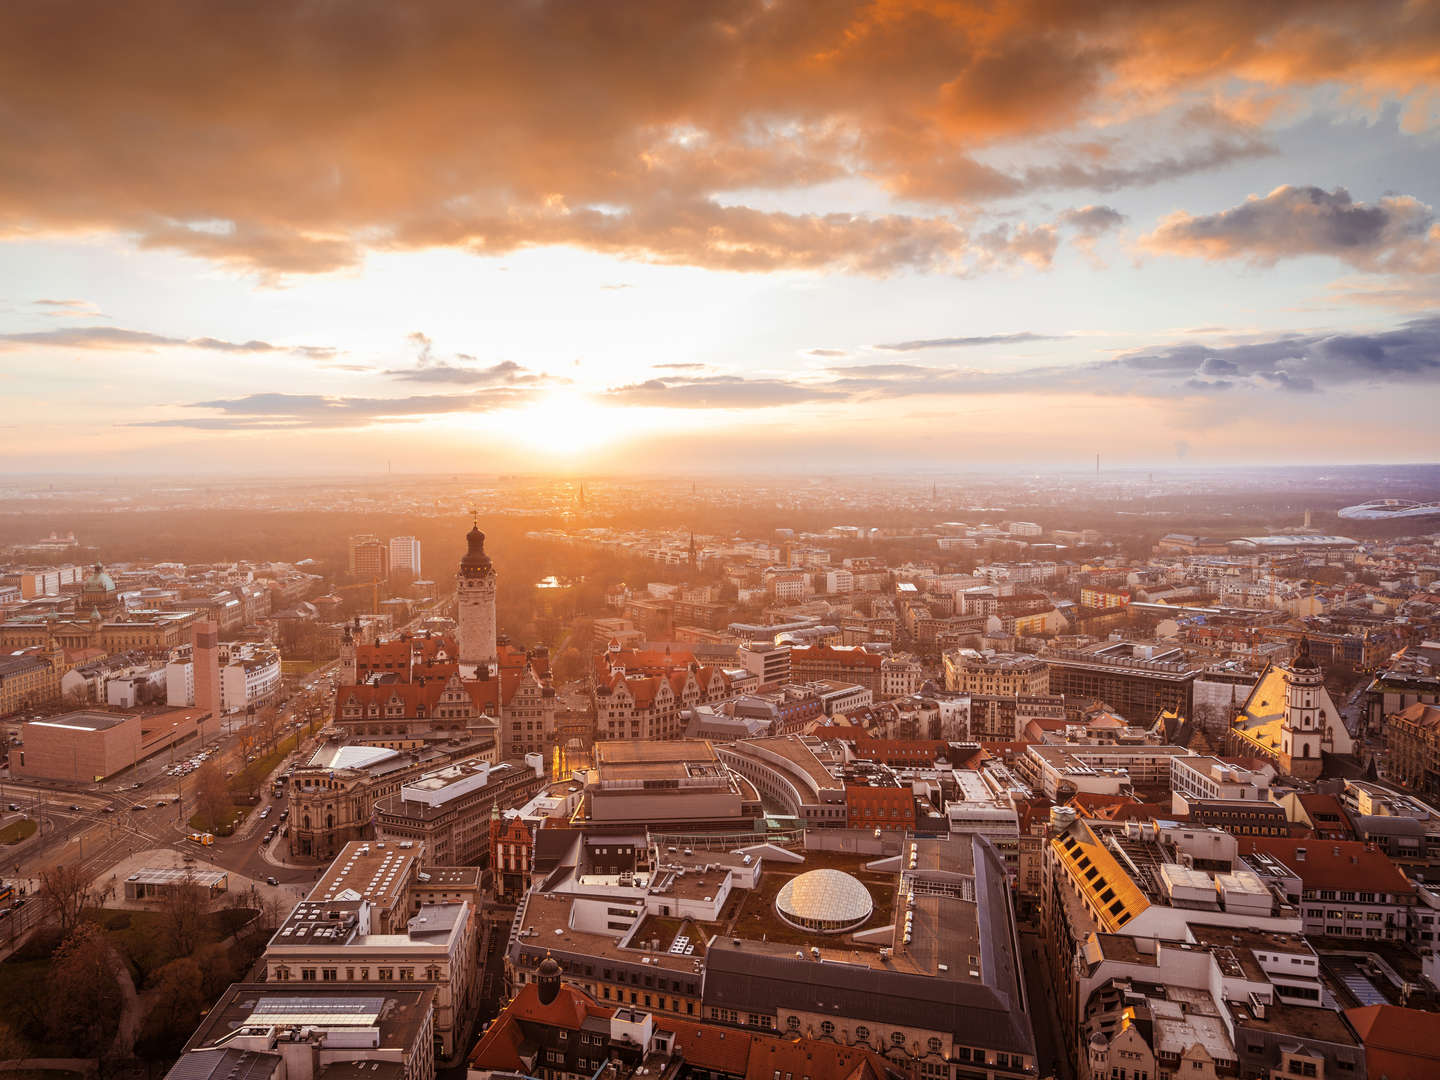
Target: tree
x,y
85,996
67,888
212,796
569,665
179,998
183,907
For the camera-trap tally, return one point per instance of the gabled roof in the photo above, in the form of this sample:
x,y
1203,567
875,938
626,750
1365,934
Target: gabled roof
x,y
1333,864
1400,1044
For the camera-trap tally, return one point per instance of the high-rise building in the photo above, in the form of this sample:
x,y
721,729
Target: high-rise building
x,y
475,603
369,558
405,555
205,656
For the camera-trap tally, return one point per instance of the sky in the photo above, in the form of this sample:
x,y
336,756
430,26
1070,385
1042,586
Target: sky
x,y
293,238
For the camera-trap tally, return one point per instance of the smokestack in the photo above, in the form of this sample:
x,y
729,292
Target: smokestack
x,y
1097,464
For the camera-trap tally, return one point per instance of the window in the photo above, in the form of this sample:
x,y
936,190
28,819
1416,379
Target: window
x,y
827,1028
307,974
934,1045
385,973
897,1038
862,1033
328,974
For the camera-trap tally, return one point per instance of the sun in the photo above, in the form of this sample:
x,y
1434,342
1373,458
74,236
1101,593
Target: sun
x,y
563,422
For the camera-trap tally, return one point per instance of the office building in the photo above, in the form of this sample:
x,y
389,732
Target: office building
x,y
369,558
405,555
89,746
1137,681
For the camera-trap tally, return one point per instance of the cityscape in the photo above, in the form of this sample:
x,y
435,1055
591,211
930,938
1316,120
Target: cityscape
x,y
738,540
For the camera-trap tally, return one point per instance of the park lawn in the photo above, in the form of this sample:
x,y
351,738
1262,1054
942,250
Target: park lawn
x,y
17,831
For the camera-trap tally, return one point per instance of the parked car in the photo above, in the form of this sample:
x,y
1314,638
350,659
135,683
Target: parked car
x,y
271,881
76,806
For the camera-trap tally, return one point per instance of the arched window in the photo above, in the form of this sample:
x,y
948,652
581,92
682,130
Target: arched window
x,y
934,1045
898,1038
793,1023
862,1033
827,1028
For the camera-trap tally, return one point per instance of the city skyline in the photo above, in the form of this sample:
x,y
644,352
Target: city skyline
x,y
554,240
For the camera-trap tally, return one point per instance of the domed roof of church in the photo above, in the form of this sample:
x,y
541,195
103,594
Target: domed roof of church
x,y
99,581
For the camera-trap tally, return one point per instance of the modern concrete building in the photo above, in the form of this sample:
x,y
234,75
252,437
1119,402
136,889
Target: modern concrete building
x,y
678,786
260,1031
333,942
90,745
447,811
405,555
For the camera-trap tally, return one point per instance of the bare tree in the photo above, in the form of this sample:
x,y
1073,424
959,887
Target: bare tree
x,y
85,996
183,907
68,888
212,796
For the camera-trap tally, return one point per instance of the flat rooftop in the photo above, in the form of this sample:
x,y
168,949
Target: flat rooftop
x,y
653,751
796,751
83,720
452,876
366,870
398,1015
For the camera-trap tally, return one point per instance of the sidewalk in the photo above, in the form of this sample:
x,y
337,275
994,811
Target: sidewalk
x,y
169,857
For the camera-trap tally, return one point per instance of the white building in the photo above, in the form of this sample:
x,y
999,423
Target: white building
x,y
405,554
839,581
249,674
180,682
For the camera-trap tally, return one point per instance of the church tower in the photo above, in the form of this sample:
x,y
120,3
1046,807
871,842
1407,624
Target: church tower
x,y
1303,730
475,601
349,657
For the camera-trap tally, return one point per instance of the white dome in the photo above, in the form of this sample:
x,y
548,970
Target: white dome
x,y
830,901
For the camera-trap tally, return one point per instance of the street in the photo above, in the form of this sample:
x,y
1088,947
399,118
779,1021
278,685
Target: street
x,y
1043,1013
140,809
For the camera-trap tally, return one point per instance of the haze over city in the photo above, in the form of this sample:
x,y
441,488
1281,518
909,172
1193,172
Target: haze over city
x,y
628,238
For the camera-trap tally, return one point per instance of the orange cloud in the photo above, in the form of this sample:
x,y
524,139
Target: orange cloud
x,y
291,139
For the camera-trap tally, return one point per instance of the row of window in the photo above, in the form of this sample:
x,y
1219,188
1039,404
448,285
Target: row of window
x,y
382,974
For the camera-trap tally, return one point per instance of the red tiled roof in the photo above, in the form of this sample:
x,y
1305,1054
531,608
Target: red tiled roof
x,y
709,1047
1333,864
1400,1044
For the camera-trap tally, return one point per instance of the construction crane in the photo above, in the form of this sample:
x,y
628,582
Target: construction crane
x,y
373,585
